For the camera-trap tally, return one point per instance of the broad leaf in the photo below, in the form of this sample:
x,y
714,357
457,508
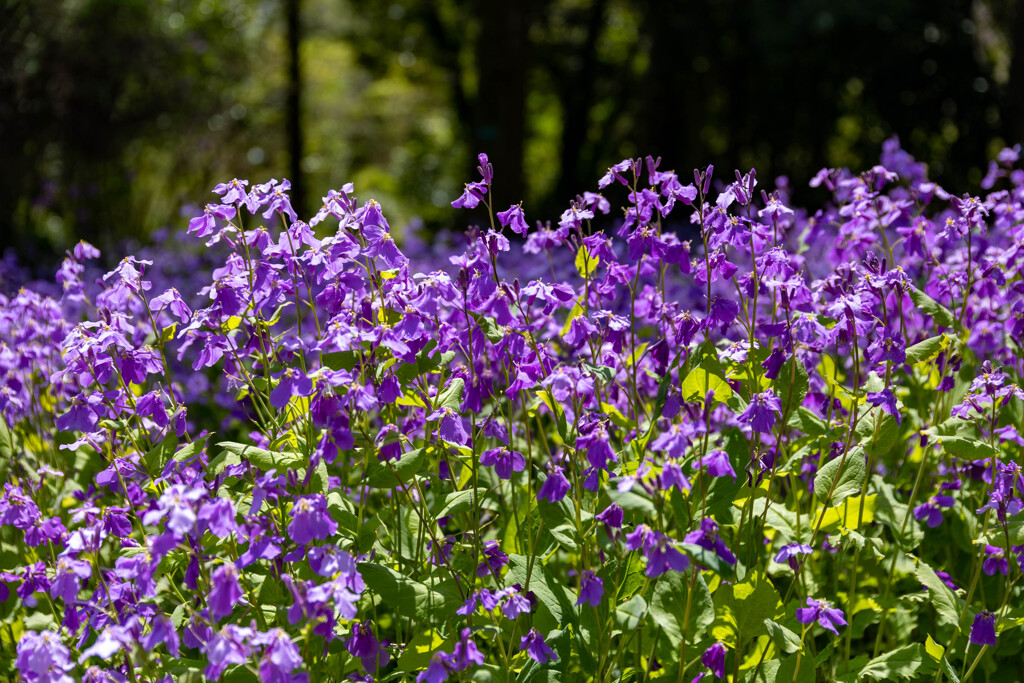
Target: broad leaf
x,y
840,478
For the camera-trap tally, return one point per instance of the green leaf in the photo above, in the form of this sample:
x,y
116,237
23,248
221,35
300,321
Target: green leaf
x,y
968,449
926,350
741,608
560,521
877,432
388,475
264,459
451,396
668,605
630,614
905,662
458,502
160,454
601,372
697,384
997,537
190,450
791,385
559,599
840,478
941,598
806,421
585,263
930,307
420,649
6,440
784,639
407,596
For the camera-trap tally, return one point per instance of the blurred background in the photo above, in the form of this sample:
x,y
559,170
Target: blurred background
x,y
114,114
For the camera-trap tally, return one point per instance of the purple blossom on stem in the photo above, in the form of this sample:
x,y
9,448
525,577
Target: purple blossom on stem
x,y
760,413
533,643
821,611
983,629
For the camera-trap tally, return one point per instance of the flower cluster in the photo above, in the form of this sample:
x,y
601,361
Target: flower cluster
x,y
716,436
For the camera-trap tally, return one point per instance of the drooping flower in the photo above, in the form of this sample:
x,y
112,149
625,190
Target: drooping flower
x,y
226,591
983,629
533,643
591,589
555,487
311,520
714,659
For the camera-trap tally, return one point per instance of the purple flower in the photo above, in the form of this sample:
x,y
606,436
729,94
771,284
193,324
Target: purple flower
x,y
887,401
611,516
820,611
707,537
718,464
364,644
714,659
43,657
311,520
293,382
931,511
437,670
466,653
533,643
514,217
760,413
226,591
280,657
983,630
494,559
503,461
228,645
591,589
68,579
554,487
451,427
995,561
789,552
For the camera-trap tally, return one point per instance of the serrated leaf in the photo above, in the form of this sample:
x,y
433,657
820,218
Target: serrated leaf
x,y
941,598
630,614
458,502
407,596
558,599
925,350
930,307
264,459
791,385
905,662
840,478
160,454
806,421
388,475
997,537
585,263
878,432
742,608
668,605
700,381
968,449
451,396
784,639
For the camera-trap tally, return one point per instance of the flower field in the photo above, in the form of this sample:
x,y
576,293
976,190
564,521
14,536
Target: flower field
x,y
688,431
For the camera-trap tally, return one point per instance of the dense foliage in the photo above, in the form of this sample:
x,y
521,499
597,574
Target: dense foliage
x,y
788,449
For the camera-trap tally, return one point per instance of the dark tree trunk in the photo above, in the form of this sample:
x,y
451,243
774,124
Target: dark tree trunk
x,y
1015,88
499,125
577,101
293,107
